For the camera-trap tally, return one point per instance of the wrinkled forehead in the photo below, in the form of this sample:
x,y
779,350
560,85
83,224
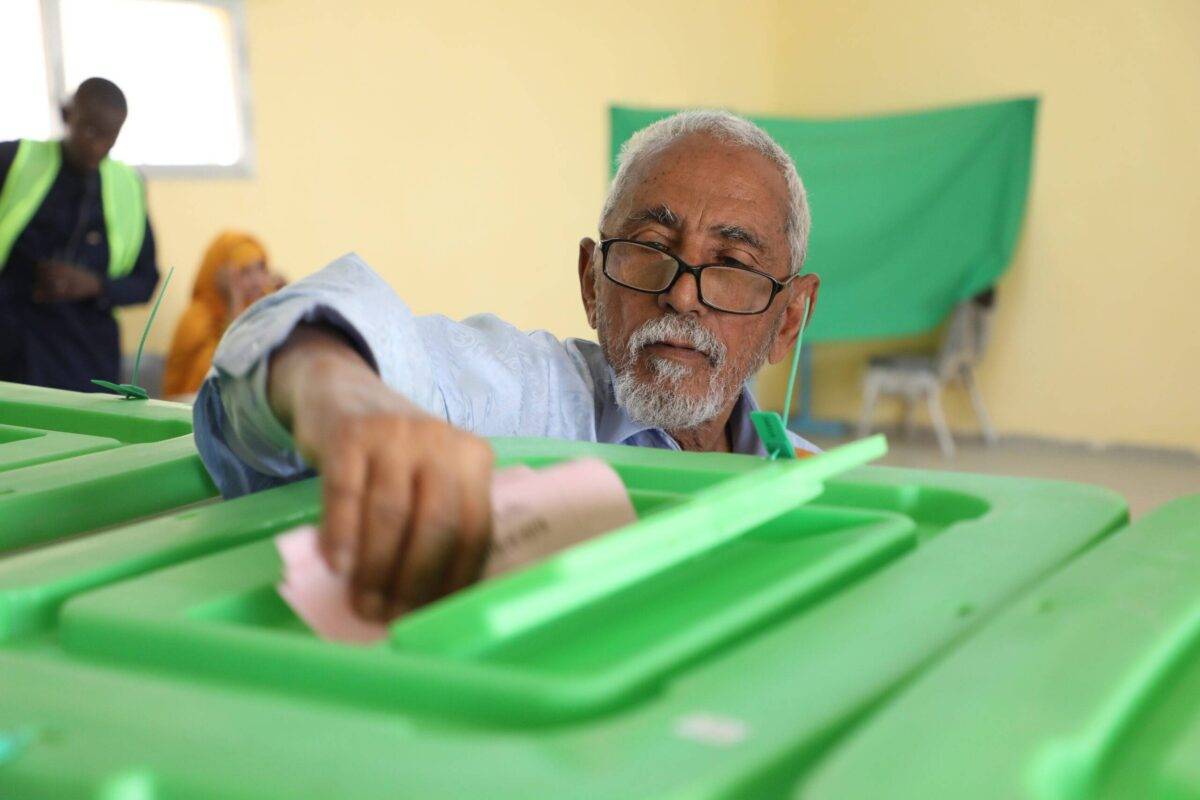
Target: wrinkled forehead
x,y
700,175
704,186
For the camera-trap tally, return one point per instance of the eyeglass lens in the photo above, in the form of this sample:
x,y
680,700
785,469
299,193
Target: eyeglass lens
x,y
650,270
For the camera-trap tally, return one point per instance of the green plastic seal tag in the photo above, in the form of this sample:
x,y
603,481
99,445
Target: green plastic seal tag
x,y
131,391
770,426
773,433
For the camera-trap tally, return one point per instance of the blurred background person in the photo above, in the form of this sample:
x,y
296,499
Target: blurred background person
x,y
75,242
233,274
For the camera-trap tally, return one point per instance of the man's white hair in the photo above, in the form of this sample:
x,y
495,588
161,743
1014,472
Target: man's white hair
x,y
724,127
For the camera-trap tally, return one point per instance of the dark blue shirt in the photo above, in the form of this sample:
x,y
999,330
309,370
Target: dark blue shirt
x,y
65,345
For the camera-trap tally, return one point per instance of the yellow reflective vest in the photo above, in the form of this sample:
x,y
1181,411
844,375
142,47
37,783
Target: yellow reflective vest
x,y
122,197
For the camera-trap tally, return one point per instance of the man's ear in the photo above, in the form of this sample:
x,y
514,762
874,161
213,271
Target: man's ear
x,y
65,111
587,280
804,288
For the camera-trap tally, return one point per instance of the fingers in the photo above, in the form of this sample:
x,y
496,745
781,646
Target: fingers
x,y
44,284
56,282
50,292
407,507
420,569
475,532
451,526
343,487
385,520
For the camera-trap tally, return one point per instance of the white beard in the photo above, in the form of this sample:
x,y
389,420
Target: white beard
x,y
659,403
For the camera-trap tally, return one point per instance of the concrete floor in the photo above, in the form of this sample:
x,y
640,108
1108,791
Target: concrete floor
x,y
1146,477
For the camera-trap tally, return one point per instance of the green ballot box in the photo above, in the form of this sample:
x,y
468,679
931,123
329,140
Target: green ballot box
x,y
1087,687
72,462
754,616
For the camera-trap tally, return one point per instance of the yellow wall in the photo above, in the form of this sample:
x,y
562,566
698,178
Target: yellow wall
x,y
1097,335
460,147
467,142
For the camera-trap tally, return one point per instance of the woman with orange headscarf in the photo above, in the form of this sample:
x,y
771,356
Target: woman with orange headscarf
x,y
232,276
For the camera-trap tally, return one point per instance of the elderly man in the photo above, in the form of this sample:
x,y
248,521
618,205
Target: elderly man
x,y
694,283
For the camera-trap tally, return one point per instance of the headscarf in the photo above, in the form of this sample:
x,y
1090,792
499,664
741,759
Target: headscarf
x,y
203,323
233,248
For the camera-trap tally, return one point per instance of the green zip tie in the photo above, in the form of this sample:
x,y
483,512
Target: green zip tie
x,y
770,426
131,391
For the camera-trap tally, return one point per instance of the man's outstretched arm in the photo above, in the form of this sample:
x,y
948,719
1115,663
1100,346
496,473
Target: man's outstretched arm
x,y
334,374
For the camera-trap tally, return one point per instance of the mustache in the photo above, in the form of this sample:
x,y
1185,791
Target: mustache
x,y
680,328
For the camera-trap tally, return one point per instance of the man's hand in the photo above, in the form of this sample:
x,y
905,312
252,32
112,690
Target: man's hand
x,y
59,282
407,496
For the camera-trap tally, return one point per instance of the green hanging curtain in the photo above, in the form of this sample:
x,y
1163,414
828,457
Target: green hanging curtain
x,y
912,213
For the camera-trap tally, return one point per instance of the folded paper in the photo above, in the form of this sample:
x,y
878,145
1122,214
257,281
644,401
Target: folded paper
x,y
535,513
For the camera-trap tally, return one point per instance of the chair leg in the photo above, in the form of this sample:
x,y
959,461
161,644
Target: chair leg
x,y
945,440
985,422
870,396
910,416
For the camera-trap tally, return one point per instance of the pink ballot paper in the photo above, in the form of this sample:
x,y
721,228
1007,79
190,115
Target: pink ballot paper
x,y
535,513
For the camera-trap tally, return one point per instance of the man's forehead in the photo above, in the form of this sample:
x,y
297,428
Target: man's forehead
x,y
741,212
702,173
99,112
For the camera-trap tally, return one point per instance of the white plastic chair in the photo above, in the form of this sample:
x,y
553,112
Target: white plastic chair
x,y
917,377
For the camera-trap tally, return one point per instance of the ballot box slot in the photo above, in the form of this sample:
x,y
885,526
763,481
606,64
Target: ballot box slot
x,y
594,628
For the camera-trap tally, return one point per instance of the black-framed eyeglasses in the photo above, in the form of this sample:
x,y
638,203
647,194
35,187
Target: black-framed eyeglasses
x,y
730,288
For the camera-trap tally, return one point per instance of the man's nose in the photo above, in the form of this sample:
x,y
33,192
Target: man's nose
x,y
684,296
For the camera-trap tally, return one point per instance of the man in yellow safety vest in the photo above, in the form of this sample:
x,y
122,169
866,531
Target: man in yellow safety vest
x,y
75,242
